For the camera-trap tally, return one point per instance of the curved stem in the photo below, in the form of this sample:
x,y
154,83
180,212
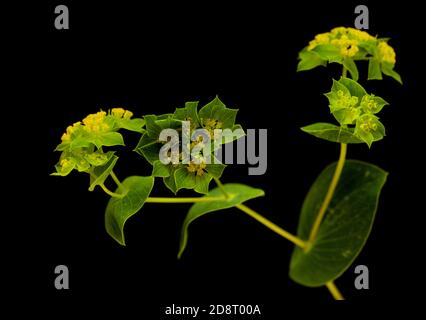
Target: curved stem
x,y
334,291
329,194
183,200
285,234
344,72
221,187
116,180
109,192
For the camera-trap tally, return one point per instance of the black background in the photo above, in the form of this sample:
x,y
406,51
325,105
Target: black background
x,y
154,58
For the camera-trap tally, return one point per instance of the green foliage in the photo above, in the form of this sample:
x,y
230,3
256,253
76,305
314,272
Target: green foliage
x,y
326,245
346,227
135,191
193,174
237,194
354,109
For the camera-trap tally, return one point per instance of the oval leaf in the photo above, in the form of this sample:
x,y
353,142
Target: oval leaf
x,y
137,190
331,132
238,193
346,226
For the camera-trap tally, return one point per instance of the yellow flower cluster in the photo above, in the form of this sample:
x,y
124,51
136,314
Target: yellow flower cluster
x,y
196,167
368,104
210,125
346,100
121,113
96,122
346,39
368,125
386,52
66,137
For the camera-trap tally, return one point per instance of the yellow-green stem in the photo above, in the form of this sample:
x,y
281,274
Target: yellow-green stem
x,y
109,192
344,72
183,200
329,194
285,234
334,291
221,187
116,180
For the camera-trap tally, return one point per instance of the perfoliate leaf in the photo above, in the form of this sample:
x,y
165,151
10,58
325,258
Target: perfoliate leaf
x,y
136,190
354,87
160,170
188,113
331,132
309,60
387,69
238,193
346,226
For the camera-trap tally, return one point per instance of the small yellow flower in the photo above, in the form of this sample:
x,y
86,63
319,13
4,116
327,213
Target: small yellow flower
x,y
95,122
348,47
386,53
196,167
118,112
360,35
128,114
66,137
322,38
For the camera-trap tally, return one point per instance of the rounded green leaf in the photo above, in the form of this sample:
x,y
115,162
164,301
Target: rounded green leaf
x,y
354,87
331,132
136,190
238,193
346,226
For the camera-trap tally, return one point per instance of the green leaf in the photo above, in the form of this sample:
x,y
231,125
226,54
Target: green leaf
x,y
132,124
328,52
202,183
354,87
309,60
136,190
331,132
216,110
349,64
189,112
215,169
374,72
184,179
148,148
387,69
238,193
107,139
98,175
160,169
346,226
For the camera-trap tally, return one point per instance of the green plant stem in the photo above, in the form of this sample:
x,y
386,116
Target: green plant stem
x,y
285,234
344,72
109,192
334,291
221,187
183,200
116,180
329,194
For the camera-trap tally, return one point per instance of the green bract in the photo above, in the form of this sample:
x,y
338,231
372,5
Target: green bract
x,y
354,110
189,174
